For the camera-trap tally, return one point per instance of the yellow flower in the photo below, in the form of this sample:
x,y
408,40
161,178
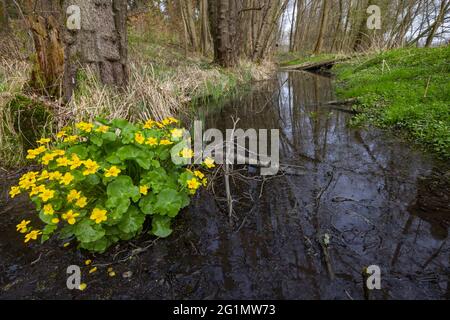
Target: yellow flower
x,y
84,126
82,287
209,163
63,162
61,134
47,158
55,220
91,167
22,227
67,179
111,274
88,262
159,125
44,175
52,176
166,122
81,203
173,120
58,152
71,139
143,190
14,192
187,153
139,138
47,194
149,124
76,162
199,174
65,245
205,182
193,184
165,142
32,154
102,129
152,142
112,172
177,133
73,195
27,184
28,180
70,217
32,235
48,210
29,175
99,215
94,269
43,141
36,190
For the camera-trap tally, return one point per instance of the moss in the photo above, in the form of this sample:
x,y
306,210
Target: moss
x,y
23,122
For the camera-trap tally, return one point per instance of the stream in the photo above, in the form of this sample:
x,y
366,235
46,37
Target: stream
x,y
378,199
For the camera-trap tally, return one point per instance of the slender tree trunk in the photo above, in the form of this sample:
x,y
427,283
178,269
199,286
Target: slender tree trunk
x,y
205,33
293,23
323,24
445,5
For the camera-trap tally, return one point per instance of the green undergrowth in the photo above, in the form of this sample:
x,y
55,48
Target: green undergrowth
x,y
405,89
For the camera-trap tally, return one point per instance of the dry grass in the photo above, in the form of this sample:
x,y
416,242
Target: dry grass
x,y
163,81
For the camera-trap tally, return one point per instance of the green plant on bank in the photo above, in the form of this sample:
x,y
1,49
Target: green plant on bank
x,y
407,89
100,182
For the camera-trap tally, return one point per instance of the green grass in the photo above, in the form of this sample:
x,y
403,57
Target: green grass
x,y
407,89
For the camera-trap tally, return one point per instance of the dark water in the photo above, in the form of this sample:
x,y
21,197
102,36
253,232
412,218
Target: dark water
x,y
379,201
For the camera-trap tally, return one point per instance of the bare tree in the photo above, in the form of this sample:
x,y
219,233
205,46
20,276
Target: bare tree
x,y
323,23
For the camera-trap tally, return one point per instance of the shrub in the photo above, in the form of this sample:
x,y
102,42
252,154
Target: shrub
x,y
100,182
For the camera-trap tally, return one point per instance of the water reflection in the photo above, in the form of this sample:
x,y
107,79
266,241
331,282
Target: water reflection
x,y
360,188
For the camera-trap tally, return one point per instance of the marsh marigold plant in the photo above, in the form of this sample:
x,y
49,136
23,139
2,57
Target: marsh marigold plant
x,y
99,184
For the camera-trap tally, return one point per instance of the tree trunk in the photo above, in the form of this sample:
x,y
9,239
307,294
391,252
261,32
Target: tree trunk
x,y
48,67
101,44
205,33
224,23
445,5
323,24
188,19
4,17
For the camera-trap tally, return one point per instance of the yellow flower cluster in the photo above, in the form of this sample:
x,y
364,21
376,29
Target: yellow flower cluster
x,y
168,121
84,126
197,181
34,153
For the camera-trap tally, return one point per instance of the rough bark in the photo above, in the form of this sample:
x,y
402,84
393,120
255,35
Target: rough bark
x,y
101,44
48,65
224,24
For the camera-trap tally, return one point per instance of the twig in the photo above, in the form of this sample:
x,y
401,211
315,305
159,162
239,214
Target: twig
x,y
428,87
